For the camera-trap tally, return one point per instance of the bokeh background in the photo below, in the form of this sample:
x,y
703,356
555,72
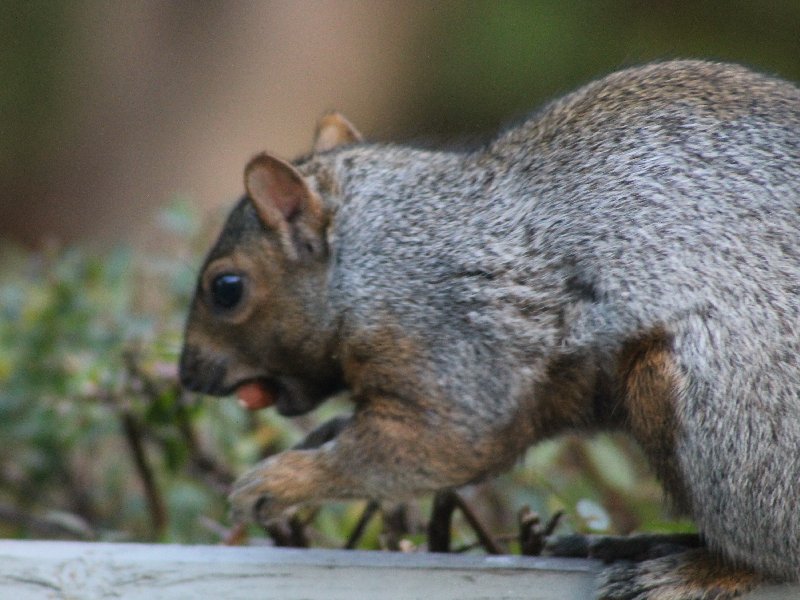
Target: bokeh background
x,y
110,109
124,128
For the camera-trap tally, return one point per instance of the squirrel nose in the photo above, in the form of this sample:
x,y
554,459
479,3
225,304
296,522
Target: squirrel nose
x,y
199,373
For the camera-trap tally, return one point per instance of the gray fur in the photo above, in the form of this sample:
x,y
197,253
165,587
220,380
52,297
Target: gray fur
x,y
671,194
665,197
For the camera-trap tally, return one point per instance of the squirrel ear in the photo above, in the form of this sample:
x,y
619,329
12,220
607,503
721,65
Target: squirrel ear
x,y
285,203
333,130
277,190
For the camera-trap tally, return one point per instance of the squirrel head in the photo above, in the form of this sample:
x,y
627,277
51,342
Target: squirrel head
x,y
259,324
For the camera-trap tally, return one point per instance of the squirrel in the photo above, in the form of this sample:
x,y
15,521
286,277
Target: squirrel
x,y
625,258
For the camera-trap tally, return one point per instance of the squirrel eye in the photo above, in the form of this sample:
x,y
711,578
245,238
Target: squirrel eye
x,y
226,290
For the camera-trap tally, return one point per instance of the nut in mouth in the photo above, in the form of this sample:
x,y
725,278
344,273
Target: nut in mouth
x,y
258,393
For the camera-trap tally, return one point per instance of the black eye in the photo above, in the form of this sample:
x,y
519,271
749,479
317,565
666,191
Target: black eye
x,y
226,290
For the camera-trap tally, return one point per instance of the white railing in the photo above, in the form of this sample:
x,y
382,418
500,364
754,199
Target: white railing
x,y
89,571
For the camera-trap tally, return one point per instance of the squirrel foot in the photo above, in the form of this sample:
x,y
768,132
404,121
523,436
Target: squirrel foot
x,y
691,575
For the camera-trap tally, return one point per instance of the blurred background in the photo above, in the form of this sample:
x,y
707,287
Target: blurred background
x,y
111,109
125,128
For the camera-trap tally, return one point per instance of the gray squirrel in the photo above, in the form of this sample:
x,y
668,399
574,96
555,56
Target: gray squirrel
x,y
626,258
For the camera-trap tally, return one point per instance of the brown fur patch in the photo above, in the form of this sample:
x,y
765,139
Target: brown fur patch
x,y
710,572
441,440
691,574
384,361
649,381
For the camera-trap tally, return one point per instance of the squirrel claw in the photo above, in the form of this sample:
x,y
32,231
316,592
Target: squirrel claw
x,y
250,503
261,509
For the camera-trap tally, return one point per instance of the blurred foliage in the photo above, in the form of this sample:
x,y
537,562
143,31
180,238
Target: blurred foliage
x,y
101,443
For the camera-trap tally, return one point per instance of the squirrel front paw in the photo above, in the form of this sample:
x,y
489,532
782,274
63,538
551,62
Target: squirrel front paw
x,y
278,483
251,498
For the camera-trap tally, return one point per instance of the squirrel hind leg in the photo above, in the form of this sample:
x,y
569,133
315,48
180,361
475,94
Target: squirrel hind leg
x,y
691,575
649,381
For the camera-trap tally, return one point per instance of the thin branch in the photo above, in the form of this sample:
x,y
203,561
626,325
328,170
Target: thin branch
x,y
395,526
78,491
361,526
217,475
484,537
532,535
610,548
52,525
155,502
288,533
